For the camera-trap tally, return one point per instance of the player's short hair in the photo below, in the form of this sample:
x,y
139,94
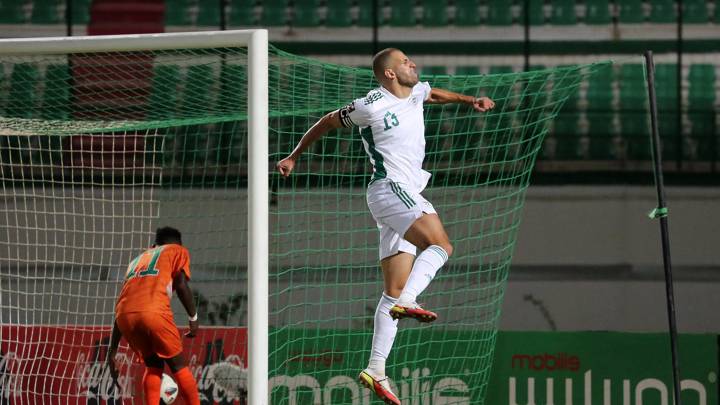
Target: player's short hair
x,y
381,60
166,235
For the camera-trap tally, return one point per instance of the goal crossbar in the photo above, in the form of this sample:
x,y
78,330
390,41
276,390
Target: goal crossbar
x,y
128,42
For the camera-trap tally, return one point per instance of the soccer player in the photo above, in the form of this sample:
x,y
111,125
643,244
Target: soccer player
x,y
143,315
393,132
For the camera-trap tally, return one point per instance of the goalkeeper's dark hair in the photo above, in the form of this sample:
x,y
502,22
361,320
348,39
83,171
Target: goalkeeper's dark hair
x,y
381,60
167,235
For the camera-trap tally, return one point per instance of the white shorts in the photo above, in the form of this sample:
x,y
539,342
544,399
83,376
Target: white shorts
x,y
395,209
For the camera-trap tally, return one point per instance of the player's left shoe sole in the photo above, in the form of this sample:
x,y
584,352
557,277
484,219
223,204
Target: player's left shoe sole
x,y
421,315
369,382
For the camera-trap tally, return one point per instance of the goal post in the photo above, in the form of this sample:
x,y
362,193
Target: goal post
x,y
258,211
256,42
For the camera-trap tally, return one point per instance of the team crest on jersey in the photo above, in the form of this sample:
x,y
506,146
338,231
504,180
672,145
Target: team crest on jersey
x,y
373,97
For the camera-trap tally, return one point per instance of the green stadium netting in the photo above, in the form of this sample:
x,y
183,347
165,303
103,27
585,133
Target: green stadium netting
x,y
97,150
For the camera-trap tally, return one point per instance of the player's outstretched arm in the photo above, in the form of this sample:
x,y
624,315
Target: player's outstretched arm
x,y
327,123
186,298
441,96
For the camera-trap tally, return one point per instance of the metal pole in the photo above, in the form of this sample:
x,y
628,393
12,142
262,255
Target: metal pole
x,y
376,22
718,362
526,42
661,213
68,18
713,143
678,95
223,16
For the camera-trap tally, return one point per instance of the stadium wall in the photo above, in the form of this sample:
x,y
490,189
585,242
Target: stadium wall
x,y
587,258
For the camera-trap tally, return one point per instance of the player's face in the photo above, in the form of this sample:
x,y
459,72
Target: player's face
x,y
405,70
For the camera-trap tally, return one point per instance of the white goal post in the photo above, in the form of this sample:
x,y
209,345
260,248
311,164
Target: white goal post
x,y
256,42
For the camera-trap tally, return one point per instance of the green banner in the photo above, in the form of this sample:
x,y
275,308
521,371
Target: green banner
x,y
530,368
604,368
321,367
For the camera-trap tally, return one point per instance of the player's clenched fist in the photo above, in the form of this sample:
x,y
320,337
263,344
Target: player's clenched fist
x,y
286,166
483,104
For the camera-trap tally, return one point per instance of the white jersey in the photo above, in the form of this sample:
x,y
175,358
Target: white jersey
x,y
393,132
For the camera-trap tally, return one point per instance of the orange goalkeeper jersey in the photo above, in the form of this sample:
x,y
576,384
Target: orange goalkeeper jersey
x,y
149,279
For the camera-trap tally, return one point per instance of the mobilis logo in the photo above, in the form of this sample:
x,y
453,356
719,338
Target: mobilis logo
x,y
647,389
416,384
564,362
545,361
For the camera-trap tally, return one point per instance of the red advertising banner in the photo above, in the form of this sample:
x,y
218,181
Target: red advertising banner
x,y
66,365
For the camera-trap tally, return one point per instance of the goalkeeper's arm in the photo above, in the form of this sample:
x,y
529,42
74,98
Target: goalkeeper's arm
x,y
440,96
327,123
114,340
112,351
180,284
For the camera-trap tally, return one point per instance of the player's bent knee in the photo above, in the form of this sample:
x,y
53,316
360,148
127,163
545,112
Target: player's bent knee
x,y
447,247
154,361
176,363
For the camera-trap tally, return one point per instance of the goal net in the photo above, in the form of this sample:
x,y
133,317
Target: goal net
x,y
325,276
98,149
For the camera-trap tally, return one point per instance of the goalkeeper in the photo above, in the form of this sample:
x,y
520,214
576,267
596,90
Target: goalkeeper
x,y
393,132
144,317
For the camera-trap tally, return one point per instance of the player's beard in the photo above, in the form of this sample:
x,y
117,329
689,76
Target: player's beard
x,y
407,80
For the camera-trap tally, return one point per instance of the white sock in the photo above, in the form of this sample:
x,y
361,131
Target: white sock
x,y
383,335
426,266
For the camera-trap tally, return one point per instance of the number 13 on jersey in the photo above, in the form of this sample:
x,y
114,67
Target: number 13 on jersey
x,y
392,120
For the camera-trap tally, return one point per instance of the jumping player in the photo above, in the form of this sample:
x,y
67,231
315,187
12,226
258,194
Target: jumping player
x,y
392,127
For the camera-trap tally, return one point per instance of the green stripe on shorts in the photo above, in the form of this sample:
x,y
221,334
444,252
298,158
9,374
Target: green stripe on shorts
x,y
400,193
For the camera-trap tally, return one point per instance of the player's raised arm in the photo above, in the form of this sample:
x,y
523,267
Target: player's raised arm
x,y
441,96
186,298
327,123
